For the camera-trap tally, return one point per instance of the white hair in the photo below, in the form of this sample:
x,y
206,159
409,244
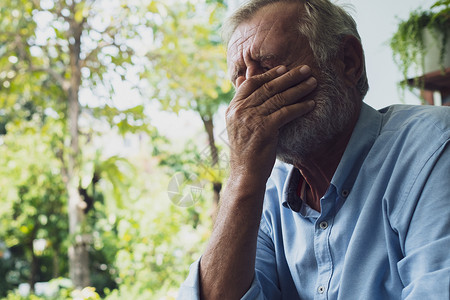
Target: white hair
x,y
323,23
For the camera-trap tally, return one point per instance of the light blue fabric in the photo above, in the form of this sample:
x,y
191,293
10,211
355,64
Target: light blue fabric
x,y
384,227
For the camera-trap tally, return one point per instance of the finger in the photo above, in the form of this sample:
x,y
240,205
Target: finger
x,y
288,80
290,96
250,85
286,114
239,81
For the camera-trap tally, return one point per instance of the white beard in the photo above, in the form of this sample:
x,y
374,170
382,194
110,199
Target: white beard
x,y
314,132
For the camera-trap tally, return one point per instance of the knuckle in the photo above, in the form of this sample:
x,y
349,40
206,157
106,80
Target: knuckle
x,y
242,120
229,115
252,82
268,89
283,110
233,113
278,101
260,80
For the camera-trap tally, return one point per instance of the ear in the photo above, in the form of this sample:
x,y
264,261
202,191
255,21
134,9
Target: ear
x,y
352,58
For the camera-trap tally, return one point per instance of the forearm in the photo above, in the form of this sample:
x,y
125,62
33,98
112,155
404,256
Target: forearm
x,y
254,116
227,267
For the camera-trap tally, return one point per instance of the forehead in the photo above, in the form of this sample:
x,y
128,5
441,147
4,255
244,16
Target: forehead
x,y
268,32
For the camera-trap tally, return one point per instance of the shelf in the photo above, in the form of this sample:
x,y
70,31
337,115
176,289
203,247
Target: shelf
x,y
433,81
437,81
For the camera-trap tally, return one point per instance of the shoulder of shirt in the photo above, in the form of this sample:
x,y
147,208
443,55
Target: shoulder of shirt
x,y
416,134
398,117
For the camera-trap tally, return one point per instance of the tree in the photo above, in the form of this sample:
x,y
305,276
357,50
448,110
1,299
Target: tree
x,y
192,72
33,200
49,50
52,51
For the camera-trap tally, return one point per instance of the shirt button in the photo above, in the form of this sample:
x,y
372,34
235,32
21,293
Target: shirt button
x,y
345,193
321,289
323,225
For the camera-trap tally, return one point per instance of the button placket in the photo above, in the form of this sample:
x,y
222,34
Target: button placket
x,y
322,244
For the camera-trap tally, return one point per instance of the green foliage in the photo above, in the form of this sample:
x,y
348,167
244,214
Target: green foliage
x,y
407,42
6,265
142,244
49,50
190,60
156,248
60,289
152,241
192,160
32,192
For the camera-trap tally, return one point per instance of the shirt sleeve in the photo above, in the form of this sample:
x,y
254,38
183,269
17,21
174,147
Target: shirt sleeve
x,y
265,283
190,289
265,275
425,268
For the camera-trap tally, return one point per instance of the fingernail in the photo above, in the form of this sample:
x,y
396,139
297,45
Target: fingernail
x,y
281,70
311,81
305,70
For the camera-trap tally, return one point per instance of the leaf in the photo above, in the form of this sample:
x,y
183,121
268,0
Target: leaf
x,y
153,7
225,86
78,16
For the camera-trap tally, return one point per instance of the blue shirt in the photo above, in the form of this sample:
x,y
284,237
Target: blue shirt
x,y
384,227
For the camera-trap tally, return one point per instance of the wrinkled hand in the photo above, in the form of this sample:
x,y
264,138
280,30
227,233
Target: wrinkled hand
x,y
262,104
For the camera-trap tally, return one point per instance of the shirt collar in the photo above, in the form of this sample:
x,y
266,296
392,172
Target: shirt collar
x,y
366,130
363,137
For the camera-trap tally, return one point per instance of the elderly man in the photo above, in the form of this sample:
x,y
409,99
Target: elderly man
x,y
357,205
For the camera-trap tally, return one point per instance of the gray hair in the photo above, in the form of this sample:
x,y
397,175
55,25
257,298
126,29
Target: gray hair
x,y
323,23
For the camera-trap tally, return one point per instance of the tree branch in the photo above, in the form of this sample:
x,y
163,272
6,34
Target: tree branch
x,y
94,52
58,77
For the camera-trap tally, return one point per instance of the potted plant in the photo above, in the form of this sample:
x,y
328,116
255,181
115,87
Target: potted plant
x,y
422,42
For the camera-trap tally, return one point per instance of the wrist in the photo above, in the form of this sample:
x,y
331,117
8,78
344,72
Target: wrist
x,y
246,185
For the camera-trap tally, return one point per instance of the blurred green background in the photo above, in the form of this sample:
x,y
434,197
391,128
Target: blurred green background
x,y
96,201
